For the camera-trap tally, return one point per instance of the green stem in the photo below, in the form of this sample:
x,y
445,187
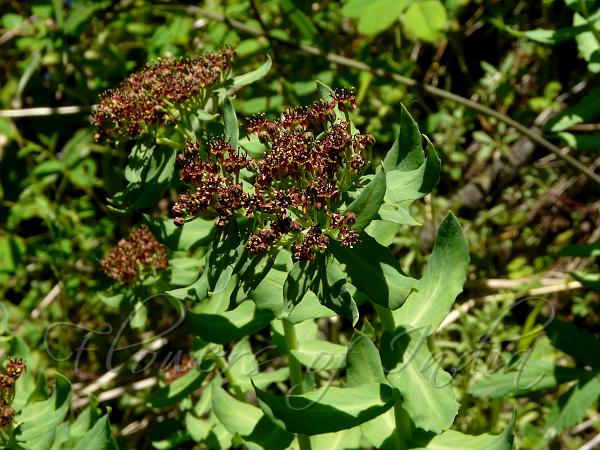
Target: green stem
x,y
403,422
168,142
223,366
403,427
386,317
291,342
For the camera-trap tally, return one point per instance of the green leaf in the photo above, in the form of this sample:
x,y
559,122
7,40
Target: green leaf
x,y
366,205
301,21
452,440
426,389
406,153
332,289
587,43
199,429
341,440
49,167
580,141
404,187
425,19
138,162
168,434
363,364
297,283
581,6
219,437
180,388
97,438
204,116
242,364
382,231
269,293
574,341
442,281
379,15
236,416
381,431
156,176
592,249
138,315
572,406
321,355
197,291
249,273
589,280
354,8
37,421
587,109
551,37
232,132
248,421
306,331
309,308
530,377
195,232
327,410
226,252
375,272
264,379
184,271
85,421
327,280
256,74
397,214
228,326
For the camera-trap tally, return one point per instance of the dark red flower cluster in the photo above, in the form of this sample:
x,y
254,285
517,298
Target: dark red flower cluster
x,y
215,181
138,255
14,369
294,190
147,96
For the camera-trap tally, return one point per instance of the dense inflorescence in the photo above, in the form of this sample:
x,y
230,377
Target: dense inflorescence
x,y
14,369
148,96
133,258
294,191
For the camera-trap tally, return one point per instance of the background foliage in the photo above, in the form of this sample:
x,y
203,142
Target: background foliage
x,y
530,218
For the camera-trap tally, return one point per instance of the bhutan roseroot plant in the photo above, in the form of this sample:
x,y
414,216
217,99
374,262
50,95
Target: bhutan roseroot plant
x,y
290,225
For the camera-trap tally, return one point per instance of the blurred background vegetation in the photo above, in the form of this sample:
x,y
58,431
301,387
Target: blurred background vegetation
x,y
531,217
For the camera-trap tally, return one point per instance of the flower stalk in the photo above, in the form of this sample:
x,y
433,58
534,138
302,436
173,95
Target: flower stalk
x,y
296,378
403,425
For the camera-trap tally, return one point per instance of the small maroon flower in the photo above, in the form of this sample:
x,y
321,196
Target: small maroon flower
x,y
15,367
344,99
7,414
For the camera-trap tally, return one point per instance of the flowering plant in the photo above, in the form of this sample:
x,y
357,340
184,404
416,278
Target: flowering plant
x,y
294,220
